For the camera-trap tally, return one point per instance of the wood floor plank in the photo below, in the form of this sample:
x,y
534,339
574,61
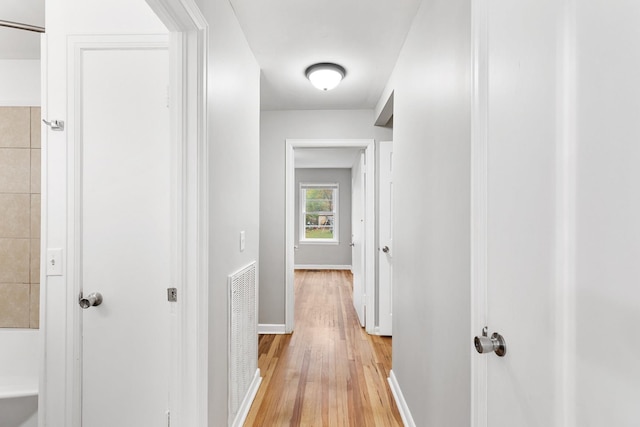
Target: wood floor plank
x,y
329,372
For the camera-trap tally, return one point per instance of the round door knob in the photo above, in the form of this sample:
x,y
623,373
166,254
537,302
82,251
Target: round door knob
x,y
91,300
385,249
495,343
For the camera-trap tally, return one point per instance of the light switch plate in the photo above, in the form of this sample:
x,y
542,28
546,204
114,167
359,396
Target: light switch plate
x,y
242,241
54,262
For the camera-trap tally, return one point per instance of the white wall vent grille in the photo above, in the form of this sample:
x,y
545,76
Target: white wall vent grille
x,y
243,335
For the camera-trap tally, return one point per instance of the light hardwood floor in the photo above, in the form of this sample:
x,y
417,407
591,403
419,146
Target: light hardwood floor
x,y
329,372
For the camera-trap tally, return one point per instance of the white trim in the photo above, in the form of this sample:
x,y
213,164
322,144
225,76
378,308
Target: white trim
x,y
289,237
370,249
403,408
245,406
321,267
314,184
189,45
370,239
566,171
44,233
479,203
271,329
179,15
318,242
384,287
386,113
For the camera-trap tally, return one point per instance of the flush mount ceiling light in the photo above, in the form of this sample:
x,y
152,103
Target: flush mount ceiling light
x,y
325,75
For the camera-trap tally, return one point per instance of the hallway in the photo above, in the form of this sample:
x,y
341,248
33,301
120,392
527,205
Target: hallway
x,y
329,372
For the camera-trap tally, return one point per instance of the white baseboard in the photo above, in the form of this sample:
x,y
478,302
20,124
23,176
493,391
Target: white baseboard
x,y
243,411
321,267
405,413
267,329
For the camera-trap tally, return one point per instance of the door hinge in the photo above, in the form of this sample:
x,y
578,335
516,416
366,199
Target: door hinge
x,y
172,294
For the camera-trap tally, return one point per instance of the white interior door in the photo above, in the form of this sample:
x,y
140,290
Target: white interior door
x,y
519,244
125,236
358,236
385,239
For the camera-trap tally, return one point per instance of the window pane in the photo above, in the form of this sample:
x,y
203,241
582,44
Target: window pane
x,y
319,226
311,220
319,200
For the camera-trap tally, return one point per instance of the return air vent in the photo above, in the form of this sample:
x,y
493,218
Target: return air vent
x,y
243,335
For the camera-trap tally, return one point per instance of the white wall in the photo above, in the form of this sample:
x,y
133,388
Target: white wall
x,y
326,253
275,128
19,82
234,137
20,355
431,138
607,295
96,17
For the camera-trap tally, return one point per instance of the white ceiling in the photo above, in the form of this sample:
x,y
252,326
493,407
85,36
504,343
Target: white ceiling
x,y
286,36
20,44
325,157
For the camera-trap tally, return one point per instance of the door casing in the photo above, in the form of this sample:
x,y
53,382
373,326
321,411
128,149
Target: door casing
x,y
188,47
290,191
358,214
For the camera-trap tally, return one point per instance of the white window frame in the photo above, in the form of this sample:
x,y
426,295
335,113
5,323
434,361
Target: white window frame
x,y
303,211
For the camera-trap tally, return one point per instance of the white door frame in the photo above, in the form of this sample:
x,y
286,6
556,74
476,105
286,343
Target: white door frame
x,y
358,236
479,203
290,192
189,35
62,362
73,188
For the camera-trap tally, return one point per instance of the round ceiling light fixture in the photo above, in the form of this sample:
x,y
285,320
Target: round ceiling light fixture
x,y
325,75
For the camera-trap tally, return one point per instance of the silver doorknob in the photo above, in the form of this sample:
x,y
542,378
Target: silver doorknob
x,y
385,249
352,244
91,300
495,343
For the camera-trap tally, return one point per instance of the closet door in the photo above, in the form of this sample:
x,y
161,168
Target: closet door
x,y
124,201
515,240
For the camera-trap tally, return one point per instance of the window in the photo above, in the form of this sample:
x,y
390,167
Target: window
x,y
319,213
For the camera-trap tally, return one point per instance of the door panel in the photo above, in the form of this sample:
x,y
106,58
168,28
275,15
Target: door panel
x,y
358,236
385,236
126,236
520,228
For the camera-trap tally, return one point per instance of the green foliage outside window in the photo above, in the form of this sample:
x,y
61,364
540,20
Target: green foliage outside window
x,y
319,215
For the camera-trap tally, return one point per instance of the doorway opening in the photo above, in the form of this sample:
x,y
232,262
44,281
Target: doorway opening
x,y
362,240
